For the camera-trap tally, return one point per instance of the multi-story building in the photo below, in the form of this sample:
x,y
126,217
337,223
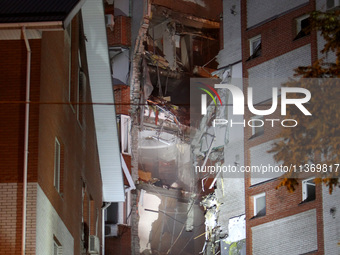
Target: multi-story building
x,y
118,30
262,42
59,150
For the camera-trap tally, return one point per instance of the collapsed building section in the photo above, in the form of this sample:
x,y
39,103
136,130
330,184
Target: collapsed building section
x,y
171,43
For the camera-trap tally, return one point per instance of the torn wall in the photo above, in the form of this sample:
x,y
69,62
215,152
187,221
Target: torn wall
x,y
166,38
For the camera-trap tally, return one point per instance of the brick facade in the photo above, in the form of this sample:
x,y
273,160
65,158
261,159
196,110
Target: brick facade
x,y
277,36
122,99
12,93
278,45
121,244
51,116
11,214
121,33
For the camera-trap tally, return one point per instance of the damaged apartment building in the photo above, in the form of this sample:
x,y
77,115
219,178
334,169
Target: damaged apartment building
x,y
173,209
171,42
247,213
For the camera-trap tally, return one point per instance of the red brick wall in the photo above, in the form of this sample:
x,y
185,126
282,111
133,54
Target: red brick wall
x,y
51,115
12,121
81,161
121,34
108,9
12,109
119,245
11,195
277,37
279,204
122,99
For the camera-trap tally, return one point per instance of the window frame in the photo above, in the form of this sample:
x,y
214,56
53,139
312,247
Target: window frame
x,y
72,91
336,4
57,164
305,183
125,128
57,247
258,196
298,26
251,47
81,94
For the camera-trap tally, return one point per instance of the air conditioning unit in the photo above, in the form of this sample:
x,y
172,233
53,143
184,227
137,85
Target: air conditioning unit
x,y
94,245
330,4
109,21
111,230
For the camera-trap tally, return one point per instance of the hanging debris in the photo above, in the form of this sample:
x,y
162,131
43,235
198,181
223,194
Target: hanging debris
x,y
212,231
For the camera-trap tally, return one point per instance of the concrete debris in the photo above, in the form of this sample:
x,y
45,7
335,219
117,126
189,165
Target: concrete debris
x,y
170,47
212,231
189,226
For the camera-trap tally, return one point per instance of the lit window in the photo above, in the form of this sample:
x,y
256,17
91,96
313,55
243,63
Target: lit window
x,y
302,26
259,205
255,46
308,190
57,165
257,125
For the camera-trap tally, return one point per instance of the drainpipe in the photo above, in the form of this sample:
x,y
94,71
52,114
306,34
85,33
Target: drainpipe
x,y
103,225
28,78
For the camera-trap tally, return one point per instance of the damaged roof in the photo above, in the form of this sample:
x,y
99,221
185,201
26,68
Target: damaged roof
x,y
161,14
18,11
208,9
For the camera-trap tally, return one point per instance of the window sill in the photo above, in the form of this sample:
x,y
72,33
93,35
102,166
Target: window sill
x,y
306,201
253,57
298,37
264,182
257,217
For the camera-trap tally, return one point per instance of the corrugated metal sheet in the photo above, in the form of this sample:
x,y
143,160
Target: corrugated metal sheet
x,y
13,11
102,92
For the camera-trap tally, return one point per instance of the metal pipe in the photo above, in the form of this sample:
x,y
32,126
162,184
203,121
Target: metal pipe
x,y
103,225
28,78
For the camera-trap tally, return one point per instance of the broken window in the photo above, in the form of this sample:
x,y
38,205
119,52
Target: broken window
x,y
308,190
255,47
302,26
259,205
